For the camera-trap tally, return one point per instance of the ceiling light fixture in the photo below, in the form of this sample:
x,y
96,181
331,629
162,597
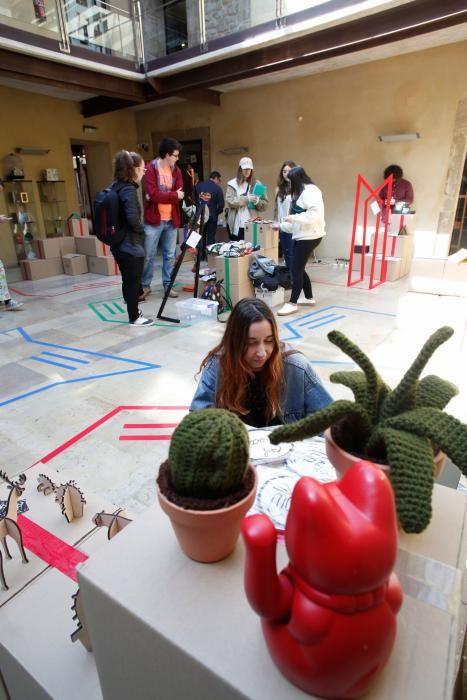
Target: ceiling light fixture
x,y
400,137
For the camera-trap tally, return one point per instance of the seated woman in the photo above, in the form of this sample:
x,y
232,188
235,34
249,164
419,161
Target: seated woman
x,y
251,373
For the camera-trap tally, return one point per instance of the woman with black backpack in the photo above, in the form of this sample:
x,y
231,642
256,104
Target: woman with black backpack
x,y
306,224
129,170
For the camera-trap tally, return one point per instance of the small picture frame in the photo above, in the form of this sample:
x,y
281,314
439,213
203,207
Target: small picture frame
x,y
24,198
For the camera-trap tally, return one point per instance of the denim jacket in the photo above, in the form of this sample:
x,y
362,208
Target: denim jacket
x,y
303,391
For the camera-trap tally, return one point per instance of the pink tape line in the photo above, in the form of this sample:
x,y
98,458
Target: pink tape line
x,y
54,551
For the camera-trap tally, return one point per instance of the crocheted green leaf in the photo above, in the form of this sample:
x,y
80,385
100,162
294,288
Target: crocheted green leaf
x,y
410,458
208,453
375,384
355,381
435,392
316,422
403,397
441,428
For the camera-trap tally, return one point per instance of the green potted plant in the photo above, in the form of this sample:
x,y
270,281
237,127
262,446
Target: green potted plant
x,y
207,484
404,430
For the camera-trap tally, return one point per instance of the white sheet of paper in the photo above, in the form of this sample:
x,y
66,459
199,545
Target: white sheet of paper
x,y
193,239
374,206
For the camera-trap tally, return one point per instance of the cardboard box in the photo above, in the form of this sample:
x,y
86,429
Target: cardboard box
x,y
234,271
394,267
261,233
39,269
77,227
36,628
92,246
74,264
103,265
426,275
131,617
272,299
235,292
54,247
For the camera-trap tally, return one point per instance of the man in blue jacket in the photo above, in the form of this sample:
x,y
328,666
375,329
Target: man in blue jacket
x,y
211,192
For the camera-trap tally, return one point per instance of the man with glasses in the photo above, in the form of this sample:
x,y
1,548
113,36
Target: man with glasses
x,y
163,194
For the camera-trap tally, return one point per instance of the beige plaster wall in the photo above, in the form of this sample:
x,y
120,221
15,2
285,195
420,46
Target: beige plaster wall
x,y
39,121
343,112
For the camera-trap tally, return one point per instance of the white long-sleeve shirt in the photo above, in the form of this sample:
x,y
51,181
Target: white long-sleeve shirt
x,y
308,224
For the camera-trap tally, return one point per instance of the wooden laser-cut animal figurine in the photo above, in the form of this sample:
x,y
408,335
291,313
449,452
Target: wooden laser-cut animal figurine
x,y
9,525
45,484
329,617
71,499
113,521
81,632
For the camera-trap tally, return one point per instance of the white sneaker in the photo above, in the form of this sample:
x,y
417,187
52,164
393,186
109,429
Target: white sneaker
x,y
287,309
13,305
142,321
306,302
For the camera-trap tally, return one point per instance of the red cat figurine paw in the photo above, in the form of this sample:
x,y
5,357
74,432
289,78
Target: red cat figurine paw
x,y
329,618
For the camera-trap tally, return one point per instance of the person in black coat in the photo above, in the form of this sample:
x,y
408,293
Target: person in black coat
x,y
210,192
129,170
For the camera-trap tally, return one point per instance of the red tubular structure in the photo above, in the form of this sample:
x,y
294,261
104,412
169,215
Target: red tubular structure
x,y
374,194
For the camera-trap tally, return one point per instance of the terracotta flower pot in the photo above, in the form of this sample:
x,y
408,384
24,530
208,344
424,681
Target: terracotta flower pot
x,y
209,535
342,460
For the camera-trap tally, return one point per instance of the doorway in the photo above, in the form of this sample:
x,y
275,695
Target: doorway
x,y
92,166
459,228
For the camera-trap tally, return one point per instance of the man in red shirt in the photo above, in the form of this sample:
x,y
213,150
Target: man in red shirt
x,y
163,194
402,190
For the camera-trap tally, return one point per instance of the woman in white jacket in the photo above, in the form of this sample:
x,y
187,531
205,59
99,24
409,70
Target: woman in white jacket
x,y
306,224
242,204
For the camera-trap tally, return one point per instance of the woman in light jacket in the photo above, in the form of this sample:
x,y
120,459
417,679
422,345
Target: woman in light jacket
x,y
306,224
242,204
251,373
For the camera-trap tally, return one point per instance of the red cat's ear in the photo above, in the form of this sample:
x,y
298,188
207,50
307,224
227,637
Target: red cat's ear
x,y
313,512
368,488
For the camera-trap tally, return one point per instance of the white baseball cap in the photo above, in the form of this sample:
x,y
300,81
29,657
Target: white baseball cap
x,y
246,163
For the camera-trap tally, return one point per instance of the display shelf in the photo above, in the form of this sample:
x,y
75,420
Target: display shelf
x,y
53,202
22,210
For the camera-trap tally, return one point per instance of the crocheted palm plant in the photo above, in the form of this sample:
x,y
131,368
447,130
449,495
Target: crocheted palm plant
x,y
403,427
208,454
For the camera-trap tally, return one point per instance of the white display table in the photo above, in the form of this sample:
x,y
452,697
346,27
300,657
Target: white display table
x,y
165,627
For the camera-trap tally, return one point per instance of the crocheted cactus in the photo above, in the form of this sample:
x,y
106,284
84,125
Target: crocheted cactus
x,y
399,427
208,454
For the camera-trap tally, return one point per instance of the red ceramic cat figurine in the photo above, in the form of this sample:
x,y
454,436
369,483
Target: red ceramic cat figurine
x,y
329,618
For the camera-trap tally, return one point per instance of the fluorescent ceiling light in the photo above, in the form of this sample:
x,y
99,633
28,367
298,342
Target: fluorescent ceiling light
x,y
400,137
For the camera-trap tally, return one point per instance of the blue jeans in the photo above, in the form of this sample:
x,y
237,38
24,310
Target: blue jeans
x,y
152,234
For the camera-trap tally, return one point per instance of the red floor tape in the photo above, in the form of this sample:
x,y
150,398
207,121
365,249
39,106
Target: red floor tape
x,y
51,549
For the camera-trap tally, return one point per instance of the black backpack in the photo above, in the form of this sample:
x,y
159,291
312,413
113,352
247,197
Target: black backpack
x,y
107,219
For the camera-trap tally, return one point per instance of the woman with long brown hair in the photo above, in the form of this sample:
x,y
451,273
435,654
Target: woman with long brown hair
x,y
251,373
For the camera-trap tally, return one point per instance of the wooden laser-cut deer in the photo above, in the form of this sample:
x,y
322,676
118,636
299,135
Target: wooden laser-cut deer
x,y
9,525
113,521
81,632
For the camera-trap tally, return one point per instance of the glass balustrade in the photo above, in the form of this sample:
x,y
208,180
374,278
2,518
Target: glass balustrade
x,y
101,26
35,16
145,30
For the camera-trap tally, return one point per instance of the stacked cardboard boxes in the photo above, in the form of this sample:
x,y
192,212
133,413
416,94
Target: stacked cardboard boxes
x,y
77,227
234,273
261,233
74,264
99,258
399,252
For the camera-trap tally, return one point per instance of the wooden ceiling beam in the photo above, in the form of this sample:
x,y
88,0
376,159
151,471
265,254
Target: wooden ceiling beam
x,y
31,68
